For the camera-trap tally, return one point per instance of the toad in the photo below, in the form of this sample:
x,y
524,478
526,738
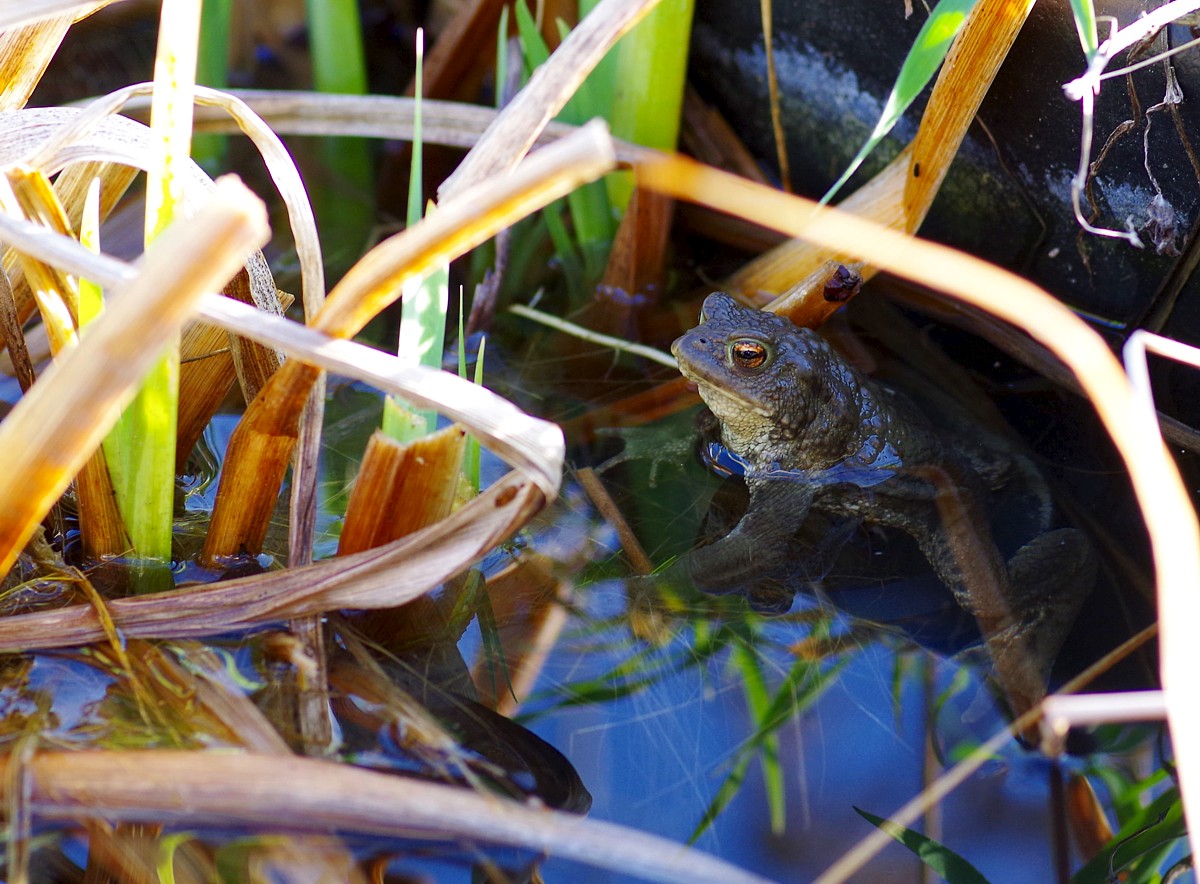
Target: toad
x,y
814,435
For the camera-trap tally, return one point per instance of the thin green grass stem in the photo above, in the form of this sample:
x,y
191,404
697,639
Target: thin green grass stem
x,y
425,302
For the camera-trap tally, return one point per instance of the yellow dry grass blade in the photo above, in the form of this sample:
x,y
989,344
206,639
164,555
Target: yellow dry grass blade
x,y
52,430
1170,518
102,528
256,791
38,12
26,49
898,197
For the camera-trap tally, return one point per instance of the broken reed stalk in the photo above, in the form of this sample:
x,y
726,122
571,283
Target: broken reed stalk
x,y
259,791
899,197
260,449
51,432
1170,518
402,487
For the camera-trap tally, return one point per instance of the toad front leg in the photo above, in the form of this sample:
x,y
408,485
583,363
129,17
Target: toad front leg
x,y
754,558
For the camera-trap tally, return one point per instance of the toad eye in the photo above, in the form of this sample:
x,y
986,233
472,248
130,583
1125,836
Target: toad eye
x,y
749,354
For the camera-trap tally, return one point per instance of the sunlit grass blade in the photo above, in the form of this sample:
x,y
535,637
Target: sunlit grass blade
x,y
922,62
1085,23
942,860
91,294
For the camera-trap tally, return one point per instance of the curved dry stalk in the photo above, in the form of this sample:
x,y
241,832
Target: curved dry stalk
x,y
245,790
52,430
377,578
86,125
449,123
1170,518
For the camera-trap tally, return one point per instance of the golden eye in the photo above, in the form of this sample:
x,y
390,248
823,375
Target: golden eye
x,y
748,353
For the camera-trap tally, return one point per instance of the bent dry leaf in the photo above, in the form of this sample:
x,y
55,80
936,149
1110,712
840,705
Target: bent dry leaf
x,y
922,61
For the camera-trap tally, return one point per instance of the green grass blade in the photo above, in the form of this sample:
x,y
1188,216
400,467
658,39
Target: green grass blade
x,y
923,60
648,98
335,38
144,471
1085,24
944,862
212,69
1144,843
416,167
804,684
344,197
501,57
758,700
471,455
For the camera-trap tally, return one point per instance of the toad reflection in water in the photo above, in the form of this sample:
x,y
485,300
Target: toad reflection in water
x,y
815,439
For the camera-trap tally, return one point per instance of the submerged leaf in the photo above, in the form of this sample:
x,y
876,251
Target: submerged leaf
x,y
944,861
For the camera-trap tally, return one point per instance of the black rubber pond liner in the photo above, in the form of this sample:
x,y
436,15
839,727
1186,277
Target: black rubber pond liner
x,y
1007,197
